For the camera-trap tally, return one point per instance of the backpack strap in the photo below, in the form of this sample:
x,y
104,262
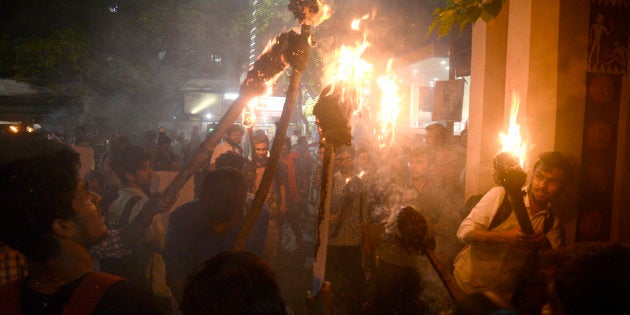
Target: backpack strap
x,y
502,214
88,294
124,216
10,297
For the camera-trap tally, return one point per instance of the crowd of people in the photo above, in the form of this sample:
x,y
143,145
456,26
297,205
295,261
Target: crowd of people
x,y
103,243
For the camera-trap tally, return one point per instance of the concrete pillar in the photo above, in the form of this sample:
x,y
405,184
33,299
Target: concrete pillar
x,y
487,94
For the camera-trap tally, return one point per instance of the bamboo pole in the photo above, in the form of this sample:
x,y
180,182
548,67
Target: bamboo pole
x,y
274,156
323,222
453,289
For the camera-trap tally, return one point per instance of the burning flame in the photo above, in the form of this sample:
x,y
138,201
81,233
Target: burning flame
x,y
14,129
512,142
349,72
390,106
249,113
356,23
325,12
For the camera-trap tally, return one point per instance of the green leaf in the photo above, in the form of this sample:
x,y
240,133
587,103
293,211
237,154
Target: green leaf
x,y
493,7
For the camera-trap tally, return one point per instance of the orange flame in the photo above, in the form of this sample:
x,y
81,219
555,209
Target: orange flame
x,y
325,12
249,113
349,72
390,106
512,142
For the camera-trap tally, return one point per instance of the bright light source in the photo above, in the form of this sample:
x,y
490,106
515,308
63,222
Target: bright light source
x,y
230,96
415,71
208,116
443,62
434,79
447,68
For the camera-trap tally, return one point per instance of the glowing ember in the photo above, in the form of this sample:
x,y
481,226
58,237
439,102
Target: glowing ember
x,y
390,107
512,142
14,129
356,23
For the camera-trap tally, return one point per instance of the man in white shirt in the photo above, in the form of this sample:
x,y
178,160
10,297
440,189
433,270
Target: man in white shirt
x,y
233,137
496,254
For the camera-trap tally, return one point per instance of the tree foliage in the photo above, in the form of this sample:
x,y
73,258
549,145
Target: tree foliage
x,y
463,12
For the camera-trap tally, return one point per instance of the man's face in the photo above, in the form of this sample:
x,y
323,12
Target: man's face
x,y
90,225
144,174
234,137
546,184
418,167
345,161
362,161
260,151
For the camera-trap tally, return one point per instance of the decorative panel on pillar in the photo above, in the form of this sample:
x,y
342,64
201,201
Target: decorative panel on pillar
x,y
606,66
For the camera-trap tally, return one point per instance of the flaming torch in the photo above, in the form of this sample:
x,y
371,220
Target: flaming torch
x,y
345,74
287,49
508,168
308,12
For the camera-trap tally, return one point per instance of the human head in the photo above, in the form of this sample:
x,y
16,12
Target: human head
x,y
589,278
133,166
261,147
420,159
164,141
222,195
41,195
552,174
345,158
286,147
230,159
234,134
436,135
233,282
413,231
362,159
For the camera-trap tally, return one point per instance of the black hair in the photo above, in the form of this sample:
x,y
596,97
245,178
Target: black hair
x,y
260,138
233,282
223,193
38,180
230,159
128,160
553,159
235,128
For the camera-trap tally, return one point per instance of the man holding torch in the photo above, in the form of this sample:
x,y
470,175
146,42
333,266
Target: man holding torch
x,y
497,247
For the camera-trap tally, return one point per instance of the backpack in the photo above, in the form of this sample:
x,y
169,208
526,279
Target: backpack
x,y
503,212
133,266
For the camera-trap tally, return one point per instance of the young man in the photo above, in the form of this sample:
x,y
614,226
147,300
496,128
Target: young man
x,y
47,214
276,198
495,256
145,264
233,137
203,228
348,217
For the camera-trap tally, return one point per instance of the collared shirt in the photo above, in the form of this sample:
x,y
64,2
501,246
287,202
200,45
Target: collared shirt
x,y
112,246
354,215
495,266
13,265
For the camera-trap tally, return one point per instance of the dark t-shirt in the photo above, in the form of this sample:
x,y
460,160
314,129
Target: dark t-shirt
x,y
121,298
